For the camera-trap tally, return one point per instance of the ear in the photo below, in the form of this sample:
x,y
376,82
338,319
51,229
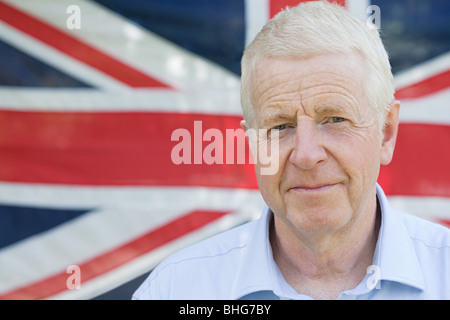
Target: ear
x,y
244,125
251,137
389,134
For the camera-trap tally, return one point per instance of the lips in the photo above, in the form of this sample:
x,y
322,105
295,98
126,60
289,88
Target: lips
x,y
313,188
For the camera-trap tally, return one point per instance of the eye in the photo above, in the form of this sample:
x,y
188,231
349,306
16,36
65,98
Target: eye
x,y
336,119
280,127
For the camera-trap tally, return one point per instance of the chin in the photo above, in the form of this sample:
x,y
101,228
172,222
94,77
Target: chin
x,y
318,219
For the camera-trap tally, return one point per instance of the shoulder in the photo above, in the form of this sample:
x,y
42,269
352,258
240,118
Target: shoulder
x,y
416,253
425,232
419,230
431,243
193,272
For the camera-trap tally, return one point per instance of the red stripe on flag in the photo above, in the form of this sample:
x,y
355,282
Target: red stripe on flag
x,y
110,260
278,5
77,49
134,148
444,222
426,87
420,166
123,148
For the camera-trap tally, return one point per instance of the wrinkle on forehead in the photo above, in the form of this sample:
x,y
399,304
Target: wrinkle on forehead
x,y
292,84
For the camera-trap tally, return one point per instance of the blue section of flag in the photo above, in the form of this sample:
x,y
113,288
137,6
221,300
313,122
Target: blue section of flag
x,y
20,69
414,31
18,222
214,29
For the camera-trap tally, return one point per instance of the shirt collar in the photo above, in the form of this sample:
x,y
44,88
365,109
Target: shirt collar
x,y
257,274
394,256
261,276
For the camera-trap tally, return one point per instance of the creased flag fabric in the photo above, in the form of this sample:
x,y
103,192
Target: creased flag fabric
x,y
87,116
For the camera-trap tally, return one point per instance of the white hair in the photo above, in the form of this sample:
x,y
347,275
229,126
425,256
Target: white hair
x,y
314,28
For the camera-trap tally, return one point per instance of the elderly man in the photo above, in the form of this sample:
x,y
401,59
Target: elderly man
x,y
321,80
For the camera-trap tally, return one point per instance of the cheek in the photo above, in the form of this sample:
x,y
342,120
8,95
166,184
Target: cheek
x,y
270,185
271,162
269,188
359,157
360,148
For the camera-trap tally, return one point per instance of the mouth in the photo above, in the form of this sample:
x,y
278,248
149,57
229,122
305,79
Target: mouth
x,y
313,188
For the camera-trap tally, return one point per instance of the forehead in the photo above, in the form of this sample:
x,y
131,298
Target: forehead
x,y
330,79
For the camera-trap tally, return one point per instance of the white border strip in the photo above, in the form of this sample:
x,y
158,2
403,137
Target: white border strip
x,y
431,109
256,16
422,71
430,208
93,100
123,197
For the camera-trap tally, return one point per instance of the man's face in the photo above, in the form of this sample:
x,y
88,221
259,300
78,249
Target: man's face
x,y
329,142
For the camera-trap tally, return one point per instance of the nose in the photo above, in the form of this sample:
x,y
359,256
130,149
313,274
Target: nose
x,y
307,151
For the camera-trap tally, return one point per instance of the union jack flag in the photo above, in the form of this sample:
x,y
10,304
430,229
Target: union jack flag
x,y
87,109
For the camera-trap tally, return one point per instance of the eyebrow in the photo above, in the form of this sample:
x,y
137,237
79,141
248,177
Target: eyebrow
x,y
276,116
282,115
330,109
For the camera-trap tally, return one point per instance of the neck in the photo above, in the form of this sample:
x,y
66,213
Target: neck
x,y
323,265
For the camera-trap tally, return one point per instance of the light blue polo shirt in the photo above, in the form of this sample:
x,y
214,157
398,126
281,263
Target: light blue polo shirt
x,y
411,261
